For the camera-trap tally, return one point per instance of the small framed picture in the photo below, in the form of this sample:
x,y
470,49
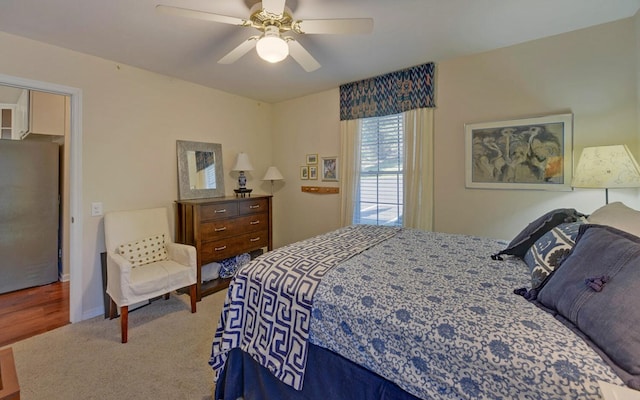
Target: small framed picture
x,y
330,168
312,159
304,173
313,172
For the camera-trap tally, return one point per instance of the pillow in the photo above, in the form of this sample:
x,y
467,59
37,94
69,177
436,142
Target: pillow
x,y
525,239
230,265
144,251
619,216
597,289
550,250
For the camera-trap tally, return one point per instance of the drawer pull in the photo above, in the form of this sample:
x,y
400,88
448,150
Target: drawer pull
x,y
254,206
224,228
220,248
254,222
224,210
254,239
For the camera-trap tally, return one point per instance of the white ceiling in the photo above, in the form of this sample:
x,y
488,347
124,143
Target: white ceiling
x,y
406,33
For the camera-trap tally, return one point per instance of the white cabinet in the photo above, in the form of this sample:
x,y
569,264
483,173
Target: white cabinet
x,y
38,113
7,113
21,120
47,113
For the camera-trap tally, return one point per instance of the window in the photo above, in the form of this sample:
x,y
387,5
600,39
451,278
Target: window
x,y
380,196
210,176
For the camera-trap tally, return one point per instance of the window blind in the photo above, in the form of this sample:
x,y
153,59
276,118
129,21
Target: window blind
x,y
380,195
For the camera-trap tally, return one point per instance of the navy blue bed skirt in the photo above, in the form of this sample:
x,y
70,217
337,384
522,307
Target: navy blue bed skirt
x,y
328,376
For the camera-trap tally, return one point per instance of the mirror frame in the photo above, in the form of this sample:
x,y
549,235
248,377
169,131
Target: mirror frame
x,y
184,189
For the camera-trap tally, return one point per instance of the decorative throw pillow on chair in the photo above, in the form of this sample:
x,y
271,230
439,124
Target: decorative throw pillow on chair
x,y
144,251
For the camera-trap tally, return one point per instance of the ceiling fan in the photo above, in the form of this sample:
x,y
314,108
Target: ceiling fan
x,y
273,19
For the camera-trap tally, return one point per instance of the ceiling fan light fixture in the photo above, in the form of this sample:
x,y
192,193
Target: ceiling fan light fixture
x,y
271,47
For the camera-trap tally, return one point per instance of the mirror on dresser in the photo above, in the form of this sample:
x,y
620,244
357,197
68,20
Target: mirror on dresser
x,y
200,171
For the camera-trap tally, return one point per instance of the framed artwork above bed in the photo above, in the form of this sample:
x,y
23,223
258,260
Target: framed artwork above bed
x,y
531,153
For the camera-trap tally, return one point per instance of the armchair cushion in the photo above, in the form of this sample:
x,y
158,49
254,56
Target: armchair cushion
x,y
144,251
182,253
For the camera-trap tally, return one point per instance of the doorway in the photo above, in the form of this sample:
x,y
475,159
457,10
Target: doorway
x,y
72,237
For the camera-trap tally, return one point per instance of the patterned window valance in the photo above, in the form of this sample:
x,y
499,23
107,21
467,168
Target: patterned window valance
x,y
387,94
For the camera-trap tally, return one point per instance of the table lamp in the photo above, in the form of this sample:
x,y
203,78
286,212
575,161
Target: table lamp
x,y
606,167
242,164
272,174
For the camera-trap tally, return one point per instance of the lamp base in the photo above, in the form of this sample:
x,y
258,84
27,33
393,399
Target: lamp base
x,y
242,192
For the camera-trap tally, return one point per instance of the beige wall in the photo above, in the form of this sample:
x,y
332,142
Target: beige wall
x,y
131,121
307,125
592,73
132,118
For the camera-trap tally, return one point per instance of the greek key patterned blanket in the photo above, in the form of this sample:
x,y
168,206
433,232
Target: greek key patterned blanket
x,y
434,314
267,310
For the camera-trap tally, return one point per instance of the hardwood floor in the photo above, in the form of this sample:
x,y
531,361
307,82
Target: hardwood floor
x,y
28,312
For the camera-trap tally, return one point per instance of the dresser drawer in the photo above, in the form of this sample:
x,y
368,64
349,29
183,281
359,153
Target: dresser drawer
x,y
224,248
223,227
219,229
221,210
253,206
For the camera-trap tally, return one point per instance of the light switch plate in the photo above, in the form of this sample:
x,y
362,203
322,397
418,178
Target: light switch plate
x,y
96,209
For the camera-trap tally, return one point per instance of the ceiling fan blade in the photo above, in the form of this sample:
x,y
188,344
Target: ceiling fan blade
x,y
273,6
239,51
185,12
335,26
302,56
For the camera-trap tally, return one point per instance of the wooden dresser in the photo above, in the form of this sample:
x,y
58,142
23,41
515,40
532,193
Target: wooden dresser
x,y
223,227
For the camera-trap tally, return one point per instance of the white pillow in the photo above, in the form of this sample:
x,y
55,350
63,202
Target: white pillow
x,y
618,216
144,251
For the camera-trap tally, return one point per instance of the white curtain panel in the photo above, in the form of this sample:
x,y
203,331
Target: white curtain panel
x,y
418,169
350,168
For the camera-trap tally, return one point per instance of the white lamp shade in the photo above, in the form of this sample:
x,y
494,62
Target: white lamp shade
x,y
272,174
271,47
606,167
242,163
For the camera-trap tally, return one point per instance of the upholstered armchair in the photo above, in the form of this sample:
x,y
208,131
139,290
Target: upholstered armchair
x,y
142,261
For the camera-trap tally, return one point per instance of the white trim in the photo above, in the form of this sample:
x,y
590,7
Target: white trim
x,y
75,184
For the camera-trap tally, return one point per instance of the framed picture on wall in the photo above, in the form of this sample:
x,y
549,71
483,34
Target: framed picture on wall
x,y
329,168
304,173
532,153
312,158
313,172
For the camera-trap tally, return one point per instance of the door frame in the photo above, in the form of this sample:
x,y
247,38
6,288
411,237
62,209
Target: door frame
x,y
75,183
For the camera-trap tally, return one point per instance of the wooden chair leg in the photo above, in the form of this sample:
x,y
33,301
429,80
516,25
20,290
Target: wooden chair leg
x,y
192,294
124,322
112,309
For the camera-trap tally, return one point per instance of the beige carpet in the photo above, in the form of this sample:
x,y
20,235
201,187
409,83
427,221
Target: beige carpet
x,y
166,357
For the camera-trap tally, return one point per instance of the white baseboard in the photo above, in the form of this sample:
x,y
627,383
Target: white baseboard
x,y
94,312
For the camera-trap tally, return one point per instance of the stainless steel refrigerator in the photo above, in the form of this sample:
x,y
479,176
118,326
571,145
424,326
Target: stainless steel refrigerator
x,y
29,214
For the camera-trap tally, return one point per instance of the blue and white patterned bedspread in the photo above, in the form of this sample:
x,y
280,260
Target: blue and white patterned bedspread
x,y
267,310
433,313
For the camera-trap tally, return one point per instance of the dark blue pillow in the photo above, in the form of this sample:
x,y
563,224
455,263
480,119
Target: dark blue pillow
x,y
524,240
597,288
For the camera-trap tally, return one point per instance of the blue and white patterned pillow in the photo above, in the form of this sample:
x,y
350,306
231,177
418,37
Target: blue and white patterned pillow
x,y
229,266
546,254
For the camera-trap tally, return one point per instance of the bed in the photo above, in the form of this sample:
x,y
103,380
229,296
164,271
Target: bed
x,y
369,312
